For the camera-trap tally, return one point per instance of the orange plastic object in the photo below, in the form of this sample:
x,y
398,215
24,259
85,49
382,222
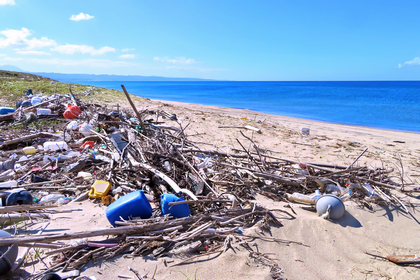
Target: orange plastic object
x,y
72,112
99,189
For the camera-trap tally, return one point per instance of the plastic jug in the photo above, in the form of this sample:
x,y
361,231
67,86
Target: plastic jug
x,y
54,146
6,110
176,211
29,150
72,112
99,189
134,204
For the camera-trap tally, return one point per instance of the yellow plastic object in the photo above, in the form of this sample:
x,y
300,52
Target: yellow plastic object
x,y
99,189
29,150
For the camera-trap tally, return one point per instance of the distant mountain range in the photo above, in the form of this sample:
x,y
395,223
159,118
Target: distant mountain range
x,y
10,68
91,77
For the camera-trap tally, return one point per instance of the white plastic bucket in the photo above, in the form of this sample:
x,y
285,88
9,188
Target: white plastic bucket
x,y
54,146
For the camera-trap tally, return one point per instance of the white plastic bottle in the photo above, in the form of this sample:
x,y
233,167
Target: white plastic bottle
x,y
8,184
54,146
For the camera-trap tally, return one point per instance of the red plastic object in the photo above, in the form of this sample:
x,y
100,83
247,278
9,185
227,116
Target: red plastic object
x,y
72,112
88,144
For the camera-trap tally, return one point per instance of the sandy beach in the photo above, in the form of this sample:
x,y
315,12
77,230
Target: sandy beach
x,y
312,247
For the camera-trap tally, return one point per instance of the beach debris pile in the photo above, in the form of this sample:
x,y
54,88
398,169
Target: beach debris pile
x,y
166,196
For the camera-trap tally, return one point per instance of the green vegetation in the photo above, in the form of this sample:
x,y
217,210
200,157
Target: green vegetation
x,y
14,85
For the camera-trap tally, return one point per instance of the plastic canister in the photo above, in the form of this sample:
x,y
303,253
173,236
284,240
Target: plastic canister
x,y
85,129
8,255
176,211
54,146
134,204
43,111
6,110
72,112
99,189
29,150
35,100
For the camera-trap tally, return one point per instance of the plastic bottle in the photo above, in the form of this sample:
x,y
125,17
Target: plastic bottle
x,y
43,111
334,189
35,100
29,150
298,197
51,198
370,192
85,129
73,125
54,146
8,184
6,110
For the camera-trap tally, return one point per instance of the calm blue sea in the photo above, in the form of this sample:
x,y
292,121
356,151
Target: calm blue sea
x,y
386,104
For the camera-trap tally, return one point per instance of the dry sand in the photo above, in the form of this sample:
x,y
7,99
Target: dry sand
x,y
334,250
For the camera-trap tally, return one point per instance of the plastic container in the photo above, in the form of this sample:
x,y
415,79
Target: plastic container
x,y
51,198
23,104
85,129
305,130
29,150
8,255
19,198
330,206
6,110
302,198
43,111
99,189
8,164
84,175
35,100
8,184
73,125
176,211
54,146
134,204
72,112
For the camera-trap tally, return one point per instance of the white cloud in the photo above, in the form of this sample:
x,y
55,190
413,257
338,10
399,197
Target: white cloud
x,y
32,52
81,16
177,60
2,54
18,38
71,49
198,69
128,56
12,58
415,61
103,63
7,2
128,49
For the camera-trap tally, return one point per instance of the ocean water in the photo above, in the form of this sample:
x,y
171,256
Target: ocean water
x,y
384,104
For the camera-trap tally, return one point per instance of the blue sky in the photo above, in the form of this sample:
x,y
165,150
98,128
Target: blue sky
x,y
229,40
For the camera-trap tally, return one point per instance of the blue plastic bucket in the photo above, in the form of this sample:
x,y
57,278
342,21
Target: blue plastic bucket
x,y
176,211
134,204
